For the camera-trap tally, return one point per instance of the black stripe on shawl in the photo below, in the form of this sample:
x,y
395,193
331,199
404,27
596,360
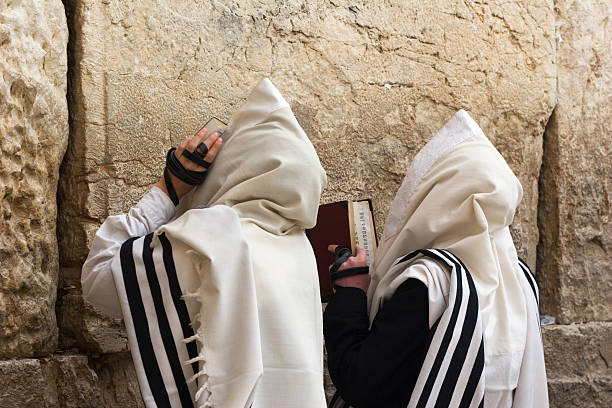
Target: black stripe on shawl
x,y
141,326
477,372
534,288
463,344
446,339
164,325
530,278
179,303
462,347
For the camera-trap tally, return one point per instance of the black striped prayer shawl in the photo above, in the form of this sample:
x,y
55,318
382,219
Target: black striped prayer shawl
x,y
155,323
452,377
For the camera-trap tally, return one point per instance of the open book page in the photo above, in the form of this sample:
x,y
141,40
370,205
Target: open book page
x,y
362,228
344,223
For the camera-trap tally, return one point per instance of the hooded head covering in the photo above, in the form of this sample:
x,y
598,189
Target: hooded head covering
x,y
268,170
459,194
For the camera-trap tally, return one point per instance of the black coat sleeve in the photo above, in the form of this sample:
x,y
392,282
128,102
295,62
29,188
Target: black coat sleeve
x,y
377,367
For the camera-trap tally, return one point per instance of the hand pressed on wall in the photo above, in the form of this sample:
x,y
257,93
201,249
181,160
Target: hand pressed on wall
x,y
191,143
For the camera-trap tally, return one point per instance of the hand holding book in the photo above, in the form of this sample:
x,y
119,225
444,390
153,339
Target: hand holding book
x,y
356,266
348,224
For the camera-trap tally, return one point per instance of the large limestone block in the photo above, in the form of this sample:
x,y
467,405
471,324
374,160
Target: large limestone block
x,y
369,81
117,381
580,393
25,383
578,367
76,383
582,350
33,138
68,381
59,381
575,253
83,327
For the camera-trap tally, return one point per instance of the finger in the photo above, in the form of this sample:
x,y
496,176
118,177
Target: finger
x,y
196,139
202,133
352,262
181,147
212,152
332,248
361,254
210,140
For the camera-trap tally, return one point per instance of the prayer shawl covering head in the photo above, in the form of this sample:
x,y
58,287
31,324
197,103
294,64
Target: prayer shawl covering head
x,y
241,271
460,195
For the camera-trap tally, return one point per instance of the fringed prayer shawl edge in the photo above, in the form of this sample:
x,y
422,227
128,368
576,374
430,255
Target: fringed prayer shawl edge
x,y
178,366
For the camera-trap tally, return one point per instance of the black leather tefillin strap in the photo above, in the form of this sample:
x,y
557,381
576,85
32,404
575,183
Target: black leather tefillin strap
x,y
342,254
174,166
359,270
197,158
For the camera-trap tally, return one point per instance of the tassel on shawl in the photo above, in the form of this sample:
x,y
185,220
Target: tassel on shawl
x,y
199,263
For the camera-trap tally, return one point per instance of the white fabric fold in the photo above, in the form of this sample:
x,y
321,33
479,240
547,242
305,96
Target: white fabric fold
x,y
228,332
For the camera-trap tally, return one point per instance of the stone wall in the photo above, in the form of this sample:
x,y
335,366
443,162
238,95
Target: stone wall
x,y
574,259
33,138
576,181
369,81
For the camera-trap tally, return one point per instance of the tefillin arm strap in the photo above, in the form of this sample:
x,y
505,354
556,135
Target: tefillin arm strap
x,y
174,166
342,254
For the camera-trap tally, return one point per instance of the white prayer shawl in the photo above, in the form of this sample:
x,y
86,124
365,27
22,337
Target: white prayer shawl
x,y
452,374
460,195
452,371
241,271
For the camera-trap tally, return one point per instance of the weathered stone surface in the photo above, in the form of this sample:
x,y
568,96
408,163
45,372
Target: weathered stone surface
x,y
67,381
33,137
582,350
117,381
578,359
575,252
580,393
370,83
83,327
25,383
77,384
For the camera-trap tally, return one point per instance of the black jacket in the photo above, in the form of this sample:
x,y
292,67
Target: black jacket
x,y
377,367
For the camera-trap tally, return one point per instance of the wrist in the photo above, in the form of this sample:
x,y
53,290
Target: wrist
x,y
355,281
180,187
161,185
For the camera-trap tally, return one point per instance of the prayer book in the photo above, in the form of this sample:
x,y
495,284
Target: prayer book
x,y
215,125
345,223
